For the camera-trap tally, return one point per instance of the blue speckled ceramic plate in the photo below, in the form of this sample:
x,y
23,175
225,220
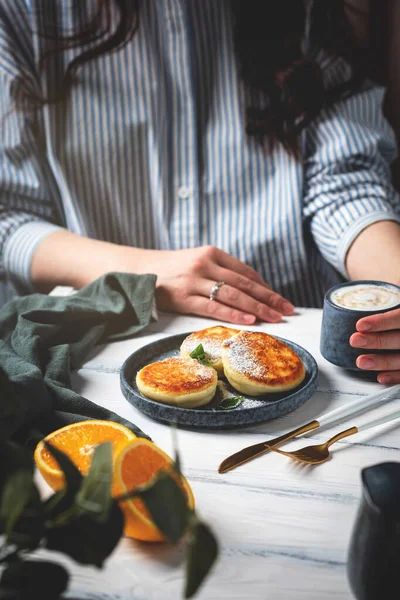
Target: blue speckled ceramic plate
x,y
252,411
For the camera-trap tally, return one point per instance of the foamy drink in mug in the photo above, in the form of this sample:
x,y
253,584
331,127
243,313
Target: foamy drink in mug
x,y
362,296
344,305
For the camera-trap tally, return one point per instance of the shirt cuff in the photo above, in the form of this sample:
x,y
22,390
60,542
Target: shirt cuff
x,y
354,230
19,249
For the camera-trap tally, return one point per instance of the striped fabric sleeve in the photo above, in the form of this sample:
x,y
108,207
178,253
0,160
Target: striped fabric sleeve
x,y
347,174
20,247
27,213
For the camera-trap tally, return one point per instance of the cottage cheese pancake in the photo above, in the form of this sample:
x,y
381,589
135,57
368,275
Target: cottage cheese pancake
x,y
211,339
182,382
366,297
256,363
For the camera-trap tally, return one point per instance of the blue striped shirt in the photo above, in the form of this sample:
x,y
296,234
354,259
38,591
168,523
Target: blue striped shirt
x,y
149,150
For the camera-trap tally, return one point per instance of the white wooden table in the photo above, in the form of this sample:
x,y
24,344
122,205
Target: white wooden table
x,y
283,528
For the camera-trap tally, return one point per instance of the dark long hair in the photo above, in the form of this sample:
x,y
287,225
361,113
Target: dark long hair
x,y
274,43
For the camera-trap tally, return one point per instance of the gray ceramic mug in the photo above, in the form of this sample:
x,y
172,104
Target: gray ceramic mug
x,y
339,322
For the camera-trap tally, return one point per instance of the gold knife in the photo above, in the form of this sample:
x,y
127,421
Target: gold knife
x,y
257,449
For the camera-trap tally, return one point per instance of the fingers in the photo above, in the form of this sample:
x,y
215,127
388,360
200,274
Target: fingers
x,y
382,322
387,364
206,308
243,298
389,340
390,377
245,276
379,362
234,264
254,291
234,297
379,332
192,303
214,264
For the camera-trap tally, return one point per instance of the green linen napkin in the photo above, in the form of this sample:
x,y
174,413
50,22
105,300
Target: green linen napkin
x,y
42,338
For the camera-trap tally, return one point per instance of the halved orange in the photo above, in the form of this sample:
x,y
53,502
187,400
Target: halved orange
x,y
78,441
137,464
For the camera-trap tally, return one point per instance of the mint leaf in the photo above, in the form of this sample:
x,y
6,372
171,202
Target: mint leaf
x,y
199,354
230,403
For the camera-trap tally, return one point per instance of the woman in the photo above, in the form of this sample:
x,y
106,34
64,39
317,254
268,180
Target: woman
x,y
233,148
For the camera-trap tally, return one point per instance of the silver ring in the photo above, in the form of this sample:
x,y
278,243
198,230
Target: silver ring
x,y
215,288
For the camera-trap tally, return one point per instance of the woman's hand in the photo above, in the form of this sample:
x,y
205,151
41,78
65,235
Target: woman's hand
x,y
379,332
185,279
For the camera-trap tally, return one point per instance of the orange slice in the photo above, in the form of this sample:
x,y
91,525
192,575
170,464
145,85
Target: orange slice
x,y
78,442
137,464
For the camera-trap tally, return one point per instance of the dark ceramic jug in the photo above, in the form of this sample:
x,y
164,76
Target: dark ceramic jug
x,y
374,553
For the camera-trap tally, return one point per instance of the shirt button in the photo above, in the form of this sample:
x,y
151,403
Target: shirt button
x,y
185,192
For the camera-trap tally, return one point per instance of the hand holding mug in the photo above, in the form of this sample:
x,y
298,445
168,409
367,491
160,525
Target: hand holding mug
x,y
379,332
361,328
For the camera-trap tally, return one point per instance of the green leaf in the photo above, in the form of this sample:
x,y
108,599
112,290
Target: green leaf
x,y
17,493
94,496
73,477
199,354
202,553
35,579
92,523
27,532
58,503
166,503
230,403
63,499
85,539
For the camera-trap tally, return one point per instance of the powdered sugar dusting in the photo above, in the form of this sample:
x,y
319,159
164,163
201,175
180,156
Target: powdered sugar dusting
x,y
191,368
211,339
243,361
